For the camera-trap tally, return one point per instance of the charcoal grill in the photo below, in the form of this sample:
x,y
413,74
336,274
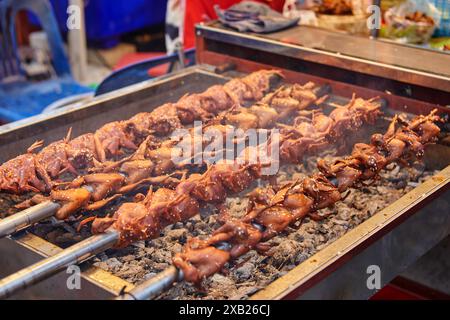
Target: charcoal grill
x,y
392,239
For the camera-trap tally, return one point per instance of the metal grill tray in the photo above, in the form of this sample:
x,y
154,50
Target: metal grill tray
x,y
392,239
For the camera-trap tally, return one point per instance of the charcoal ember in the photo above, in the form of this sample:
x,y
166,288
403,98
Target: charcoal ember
x,y
176,248
128,258
290,173
190,227
416,171
340,222
245,271
162,256
308,245
101,257
238,206
251,257
296,236
343,212
392,171
201,226
348,200
131,271
219,282
8,201
300,258
372,209
323,228
402,184
412,184
66,239
110,264
285,252
160,266
177,225
212,220
177,234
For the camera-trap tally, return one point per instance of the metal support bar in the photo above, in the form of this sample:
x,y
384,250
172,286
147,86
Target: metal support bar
x,y
153,287
49,266
27,217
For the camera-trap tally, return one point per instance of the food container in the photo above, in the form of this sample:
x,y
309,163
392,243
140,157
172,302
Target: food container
x,y
399,27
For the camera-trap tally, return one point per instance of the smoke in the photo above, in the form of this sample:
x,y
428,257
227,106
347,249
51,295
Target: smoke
x,y
209,145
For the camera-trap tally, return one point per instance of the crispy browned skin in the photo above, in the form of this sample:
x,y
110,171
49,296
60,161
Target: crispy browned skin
x,y
275,210
336,7
200,261
224,178
33,172
145,219
274,107
148,160
311,134
70,200
25,173
152,161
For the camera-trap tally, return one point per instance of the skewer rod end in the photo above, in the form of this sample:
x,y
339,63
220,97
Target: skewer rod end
x,y
51,265
154,286
27,217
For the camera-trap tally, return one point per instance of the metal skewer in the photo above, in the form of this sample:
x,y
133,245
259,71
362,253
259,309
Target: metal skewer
x,y
49,266
27,217
154,286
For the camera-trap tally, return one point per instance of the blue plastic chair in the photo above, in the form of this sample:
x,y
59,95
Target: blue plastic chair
x,y
138,72
20,98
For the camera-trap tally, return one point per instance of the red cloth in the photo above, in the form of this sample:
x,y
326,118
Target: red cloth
x,y
132,58
203,10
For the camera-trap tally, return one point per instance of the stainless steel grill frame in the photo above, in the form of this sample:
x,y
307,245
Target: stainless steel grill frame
x,y
392,239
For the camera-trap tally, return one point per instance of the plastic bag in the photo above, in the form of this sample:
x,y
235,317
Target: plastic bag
x,y
301,9
401,26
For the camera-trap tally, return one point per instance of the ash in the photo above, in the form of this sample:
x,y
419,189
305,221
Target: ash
x,y
252,271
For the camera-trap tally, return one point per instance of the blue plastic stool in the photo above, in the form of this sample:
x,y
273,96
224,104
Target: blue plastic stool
x,y
20,98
